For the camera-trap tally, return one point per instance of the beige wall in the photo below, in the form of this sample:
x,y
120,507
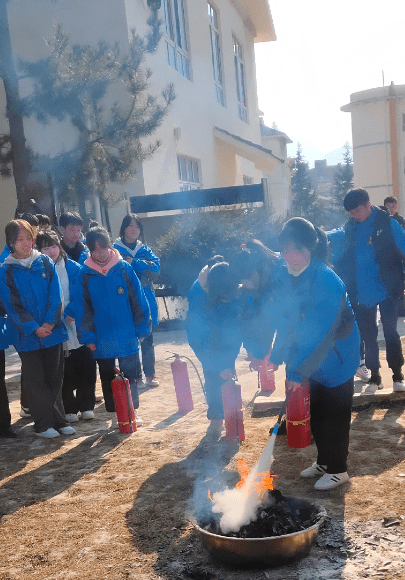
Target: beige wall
x,y
372,141
195,111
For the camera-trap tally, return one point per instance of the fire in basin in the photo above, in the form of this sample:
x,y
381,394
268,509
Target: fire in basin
x,y
254,525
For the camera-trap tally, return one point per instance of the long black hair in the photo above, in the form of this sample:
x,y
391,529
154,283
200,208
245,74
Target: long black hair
x,y
301,234
128,219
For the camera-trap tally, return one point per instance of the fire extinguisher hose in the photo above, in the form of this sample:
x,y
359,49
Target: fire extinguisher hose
x,y
189,359
281,415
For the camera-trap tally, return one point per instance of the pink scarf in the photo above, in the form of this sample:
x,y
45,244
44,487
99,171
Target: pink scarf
x,y
115,257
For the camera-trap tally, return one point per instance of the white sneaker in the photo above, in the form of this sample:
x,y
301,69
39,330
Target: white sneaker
x,y
140,383
398,387
363,373
331,480
25,413
49,433
72,417
371,388
67,430
151,382
138,420
87,415
314,471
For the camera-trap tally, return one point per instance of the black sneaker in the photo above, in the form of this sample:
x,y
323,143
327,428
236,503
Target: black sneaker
x,y
8,433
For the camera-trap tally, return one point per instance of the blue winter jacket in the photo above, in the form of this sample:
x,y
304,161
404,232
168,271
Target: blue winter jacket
x,y
31,296
72,269
213,333
143,261
111,310
317,335
5,253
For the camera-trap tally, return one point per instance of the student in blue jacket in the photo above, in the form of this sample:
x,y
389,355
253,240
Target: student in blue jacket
x,y
80,374
318,339
144,262
112,313
5,417
31,294
213,331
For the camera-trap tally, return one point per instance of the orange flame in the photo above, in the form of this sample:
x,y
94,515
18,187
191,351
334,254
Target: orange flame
x,y
243,471
265,483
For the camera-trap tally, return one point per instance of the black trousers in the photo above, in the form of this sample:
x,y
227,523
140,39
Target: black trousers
x,y
43,376
80,374
367,321
5,416
330,423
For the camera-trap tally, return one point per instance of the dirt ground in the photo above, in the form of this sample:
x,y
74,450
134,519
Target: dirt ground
x,y
104,505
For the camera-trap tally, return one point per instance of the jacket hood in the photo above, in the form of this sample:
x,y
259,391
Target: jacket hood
x,y
114,259
26,264
124,249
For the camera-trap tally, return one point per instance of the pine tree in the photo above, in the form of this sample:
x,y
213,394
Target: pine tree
x,y
301,185
73,84
342,183
13,149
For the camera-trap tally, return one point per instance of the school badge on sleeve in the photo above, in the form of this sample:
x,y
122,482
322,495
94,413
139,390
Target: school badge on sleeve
x,y
120,290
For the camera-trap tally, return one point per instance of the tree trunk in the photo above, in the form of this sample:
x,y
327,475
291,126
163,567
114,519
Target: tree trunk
x,y
14,111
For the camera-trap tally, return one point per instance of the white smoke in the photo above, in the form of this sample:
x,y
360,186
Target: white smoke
x,y
239,506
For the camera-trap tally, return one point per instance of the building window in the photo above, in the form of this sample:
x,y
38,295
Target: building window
x,y
240,79
216,54
189,177
247,180
176,40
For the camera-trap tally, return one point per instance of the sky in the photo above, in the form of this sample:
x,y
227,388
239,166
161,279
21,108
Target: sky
x,y
325,51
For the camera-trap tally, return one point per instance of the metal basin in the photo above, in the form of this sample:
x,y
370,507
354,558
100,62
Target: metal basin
x,y
265,552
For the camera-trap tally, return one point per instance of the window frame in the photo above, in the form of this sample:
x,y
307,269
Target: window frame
x,y
175,34
216,53
192,168
240,78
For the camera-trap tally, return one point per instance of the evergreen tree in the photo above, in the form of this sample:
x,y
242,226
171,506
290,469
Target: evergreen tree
x,y
74,84
303,196
342,183
13,149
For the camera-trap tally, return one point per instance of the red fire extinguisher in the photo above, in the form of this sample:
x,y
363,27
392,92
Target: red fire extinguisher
x,y
233,414
182,385
123,403
266,376
298,416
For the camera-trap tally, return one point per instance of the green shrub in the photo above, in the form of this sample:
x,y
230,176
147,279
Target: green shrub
x,y
196,237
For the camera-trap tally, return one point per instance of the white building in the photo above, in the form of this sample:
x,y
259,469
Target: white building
x,y
378,131
211,136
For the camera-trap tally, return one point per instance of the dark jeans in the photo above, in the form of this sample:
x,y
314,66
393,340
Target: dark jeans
x,y
128,366
43,376
5,417
80,375
148,358
367,322
330,409
213,394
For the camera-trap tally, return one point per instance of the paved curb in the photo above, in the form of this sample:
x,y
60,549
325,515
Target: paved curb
x,y
268,403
